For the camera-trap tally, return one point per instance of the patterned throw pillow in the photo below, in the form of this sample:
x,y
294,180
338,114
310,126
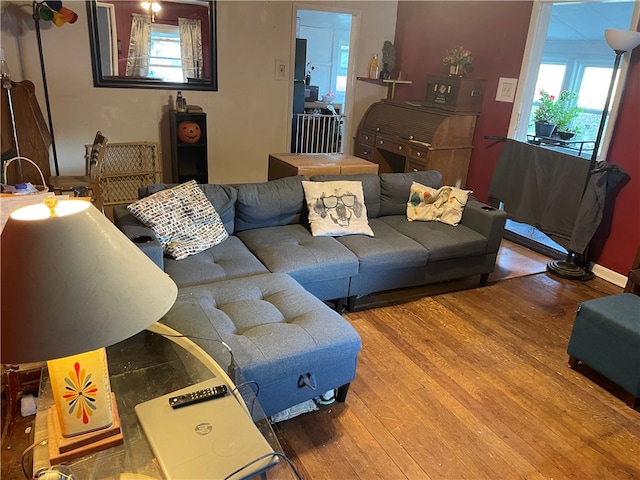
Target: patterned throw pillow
x,y
336,208
183,218
444,204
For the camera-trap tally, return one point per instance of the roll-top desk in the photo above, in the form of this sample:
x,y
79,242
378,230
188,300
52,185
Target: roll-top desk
x,y
403,136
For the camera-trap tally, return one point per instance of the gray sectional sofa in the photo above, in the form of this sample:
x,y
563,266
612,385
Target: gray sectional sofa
x,y
267,224
269,235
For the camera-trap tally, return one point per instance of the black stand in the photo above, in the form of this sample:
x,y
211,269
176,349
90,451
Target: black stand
x,y
569,268
36,19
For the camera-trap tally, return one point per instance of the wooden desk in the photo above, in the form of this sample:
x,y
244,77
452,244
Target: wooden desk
x,y
403,136
291,164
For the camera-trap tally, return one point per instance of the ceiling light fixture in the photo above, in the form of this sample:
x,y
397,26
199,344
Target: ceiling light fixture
x,y
152,7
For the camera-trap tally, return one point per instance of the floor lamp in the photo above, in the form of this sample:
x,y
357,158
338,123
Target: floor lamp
x,y
621,41
51,11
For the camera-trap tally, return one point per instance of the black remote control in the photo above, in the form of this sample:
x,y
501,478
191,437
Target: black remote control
x,y
198,396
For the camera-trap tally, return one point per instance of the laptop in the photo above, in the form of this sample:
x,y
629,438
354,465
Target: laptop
x,y
207,440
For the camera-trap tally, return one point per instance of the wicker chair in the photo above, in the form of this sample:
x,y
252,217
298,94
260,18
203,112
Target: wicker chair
x,y
84,185
126,167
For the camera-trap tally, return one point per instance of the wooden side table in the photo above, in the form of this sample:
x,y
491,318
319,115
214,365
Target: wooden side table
x,y
291,164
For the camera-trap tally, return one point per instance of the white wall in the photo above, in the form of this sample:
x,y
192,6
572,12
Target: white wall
x,y
247,118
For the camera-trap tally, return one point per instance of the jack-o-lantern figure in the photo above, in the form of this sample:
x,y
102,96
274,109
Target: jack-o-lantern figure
x,y
189,132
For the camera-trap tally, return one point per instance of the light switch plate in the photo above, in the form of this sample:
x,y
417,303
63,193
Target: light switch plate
x,y
282,69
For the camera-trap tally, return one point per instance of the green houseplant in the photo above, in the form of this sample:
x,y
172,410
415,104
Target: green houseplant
x,y
546,111
545,115
566,113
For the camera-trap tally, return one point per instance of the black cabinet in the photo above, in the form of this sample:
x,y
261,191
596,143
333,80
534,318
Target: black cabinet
x,y
188,133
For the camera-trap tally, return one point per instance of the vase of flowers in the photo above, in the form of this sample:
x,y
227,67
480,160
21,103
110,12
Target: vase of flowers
x,y
458,60
545,115
307,77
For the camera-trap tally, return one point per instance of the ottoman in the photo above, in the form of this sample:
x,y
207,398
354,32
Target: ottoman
x,y
282,337
606,337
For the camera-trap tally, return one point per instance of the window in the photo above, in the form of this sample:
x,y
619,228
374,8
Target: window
x,y
593,87
164,53
550,79
341,77
573,56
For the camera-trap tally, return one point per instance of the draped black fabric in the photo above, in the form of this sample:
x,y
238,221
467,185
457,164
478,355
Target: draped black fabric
x,y
604,185
546,189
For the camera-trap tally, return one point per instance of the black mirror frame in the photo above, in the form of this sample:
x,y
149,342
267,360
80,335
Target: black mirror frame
x,y
123,82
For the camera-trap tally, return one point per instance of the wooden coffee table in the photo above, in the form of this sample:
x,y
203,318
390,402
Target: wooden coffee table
x,y
291,164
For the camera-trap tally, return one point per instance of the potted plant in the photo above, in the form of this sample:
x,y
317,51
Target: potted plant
x,y
545,115
566,113
459,61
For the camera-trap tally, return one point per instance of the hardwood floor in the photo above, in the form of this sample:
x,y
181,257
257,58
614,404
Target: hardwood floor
x,y
472,384
456,381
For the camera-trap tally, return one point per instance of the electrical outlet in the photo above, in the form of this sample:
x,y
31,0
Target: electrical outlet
x,y
282,69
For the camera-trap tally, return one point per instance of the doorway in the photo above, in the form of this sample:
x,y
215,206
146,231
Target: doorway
x,y
566,51
320,118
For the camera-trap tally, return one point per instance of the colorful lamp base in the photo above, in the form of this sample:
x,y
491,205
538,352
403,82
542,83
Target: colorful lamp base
x,y
64,449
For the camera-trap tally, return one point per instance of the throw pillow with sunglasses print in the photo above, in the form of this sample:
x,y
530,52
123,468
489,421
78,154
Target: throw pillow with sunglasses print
x,y
336,208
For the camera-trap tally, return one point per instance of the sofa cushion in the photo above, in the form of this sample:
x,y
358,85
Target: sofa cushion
x,y
441,240
183,219
387,248
444,204
222,197
293,250
230,259
370,188
336,208
279,334
395,188
269,204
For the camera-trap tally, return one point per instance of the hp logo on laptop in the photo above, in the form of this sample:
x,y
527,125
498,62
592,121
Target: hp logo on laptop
x,y
203,429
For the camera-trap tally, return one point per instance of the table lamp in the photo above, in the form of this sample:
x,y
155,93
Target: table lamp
x,y
72,284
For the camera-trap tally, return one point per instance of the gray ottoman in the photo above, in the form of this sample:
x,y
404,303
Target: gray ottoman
x,y
282,337
606,337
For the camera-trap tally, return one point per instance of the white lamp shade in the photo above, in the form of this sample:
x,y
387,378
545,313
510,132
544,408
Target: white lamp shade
x,y
73,283
622,40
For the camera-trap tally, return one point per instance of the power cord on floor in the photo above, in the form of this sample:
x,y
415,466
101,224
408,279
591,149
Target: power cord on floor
x,y
273,454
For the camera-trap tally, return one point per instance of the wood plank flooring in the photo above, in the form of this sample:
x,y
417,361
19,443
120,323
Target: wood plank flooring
x,y
472,384
460,382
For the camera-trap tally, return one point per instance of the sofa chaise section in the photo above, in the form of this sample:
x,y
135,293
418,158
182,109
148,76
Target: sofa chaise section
x,y
282,337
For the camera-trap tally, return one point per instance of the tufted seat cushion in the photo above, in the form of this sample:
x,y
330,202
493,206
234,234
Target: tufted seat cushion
x,y
230,259
281,336
321,264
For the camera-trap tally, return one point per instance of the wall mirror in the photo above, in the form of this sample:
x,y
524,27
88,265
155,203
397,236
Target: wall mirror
x,y
153,44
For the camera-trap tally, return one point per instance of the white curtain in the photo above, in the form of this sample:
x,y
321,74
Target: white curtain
x,y
190,47
138,58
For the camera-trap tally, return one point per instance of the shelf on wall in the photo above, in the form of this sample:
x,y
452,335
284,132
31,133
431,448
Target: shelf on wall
x,y
388,83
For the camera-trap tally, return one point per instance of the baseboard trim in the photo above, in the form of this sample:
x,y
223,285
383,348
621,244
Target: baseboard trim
x,y
609,275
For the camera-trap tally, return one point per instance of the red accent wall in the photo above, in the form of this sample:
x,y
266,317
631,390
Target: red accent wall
x,y
619,248
496,33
